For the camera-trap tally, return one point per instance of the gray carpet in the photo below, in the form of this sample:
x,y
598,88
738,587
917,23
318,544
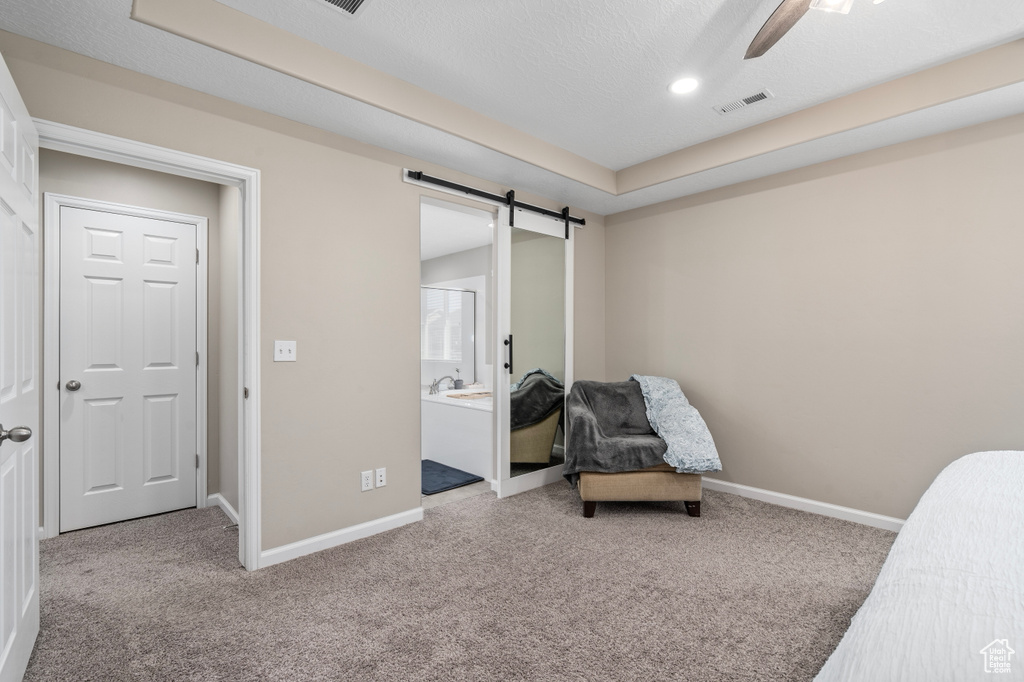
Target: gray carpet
x,y
482,589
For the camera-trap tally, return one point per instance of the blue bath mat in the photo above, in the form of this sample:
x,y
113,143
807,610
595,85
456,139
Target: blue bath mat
x,y
439,477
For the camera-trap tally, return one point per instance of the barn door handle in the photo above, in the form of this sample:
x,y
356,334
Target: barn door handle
x,y
508,342
73,385
18,434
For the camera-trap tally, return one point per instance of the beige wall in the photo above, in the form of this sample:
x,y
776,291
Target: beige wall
x,y
79,176
339,243
459,265
589,301
846,329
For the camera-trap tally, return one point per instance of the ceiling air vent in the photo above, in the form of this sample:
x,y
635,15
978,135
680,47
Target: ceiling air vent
x,y
746,101
349,7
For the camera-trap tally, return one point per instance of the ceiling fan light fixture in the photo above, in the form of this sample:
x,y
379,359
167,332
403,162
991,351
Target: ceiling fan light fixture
x,y
840,6
684,86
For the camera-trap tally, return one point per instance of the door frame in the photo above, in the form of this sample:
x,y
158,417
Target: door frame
x,y
72,140
52,203
501,261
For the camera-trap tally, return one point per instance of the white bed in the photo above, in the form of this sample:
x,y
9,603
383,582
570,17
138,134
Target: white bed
x,y
952,585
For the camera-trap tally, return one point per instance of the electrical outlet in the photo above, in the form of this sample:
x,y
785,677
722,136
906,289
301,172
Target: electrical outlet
x,y
382,477
366,480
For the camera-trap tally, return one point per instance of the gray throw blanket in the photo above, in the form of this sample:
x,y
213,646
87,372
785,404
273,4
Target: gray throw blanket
x,y
534,398
609,429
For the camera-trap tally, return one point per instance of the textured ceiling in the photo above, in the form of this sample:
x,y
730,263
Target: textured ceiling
x,y
586,75
591,76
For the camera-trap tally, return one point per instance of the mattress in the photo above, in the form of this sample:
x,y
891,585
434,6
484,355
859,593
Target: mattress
x,y
948,603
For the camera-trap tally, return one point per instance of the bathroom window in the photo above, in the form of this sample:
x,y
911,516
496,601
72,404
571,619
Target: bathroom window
x,y
446,324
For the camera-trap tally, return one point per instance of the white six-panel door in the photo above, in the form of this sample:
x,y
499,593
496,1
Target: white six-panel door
x,y
127,366
19,381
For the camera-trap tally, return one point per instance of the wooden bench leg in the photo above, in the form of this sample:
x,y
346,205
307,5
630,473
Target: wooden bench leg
x,y
589,507
692,508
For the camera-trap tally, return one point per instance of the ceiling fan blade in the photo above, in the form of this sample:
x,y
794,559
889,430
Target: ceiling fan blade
x,y
781,20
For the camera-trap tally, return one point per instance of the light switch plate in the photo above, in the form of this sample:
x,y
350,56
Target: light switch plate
x,y
284,351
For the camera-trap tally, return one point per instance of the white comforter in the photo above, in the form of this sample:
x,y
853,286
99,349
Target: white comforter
x,y
953,584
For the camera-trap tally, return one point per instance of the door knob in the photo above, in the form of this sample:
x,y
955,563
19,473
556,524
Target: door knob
x,y
73,385
18,434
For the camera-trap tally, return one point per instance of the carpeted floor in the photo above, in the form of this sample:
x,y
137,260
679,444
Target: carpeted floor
x,y
483,589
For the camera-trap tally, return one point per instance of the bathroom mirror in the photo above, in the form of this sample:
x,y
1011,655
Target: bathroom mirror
x,y
538,377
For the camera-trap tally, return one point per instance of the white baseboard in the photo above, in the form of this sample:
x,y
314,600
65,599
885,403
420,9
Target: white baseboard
x,y
534,479
218,500
338,537
804,504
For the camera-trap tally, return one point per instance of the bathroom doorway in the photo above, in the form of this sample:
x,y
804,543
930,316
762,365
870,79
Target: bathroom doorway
x,y
522,364
456,351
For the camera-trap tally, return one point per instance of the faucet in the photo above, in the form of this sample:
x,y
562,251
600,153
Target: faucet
x,y
435,387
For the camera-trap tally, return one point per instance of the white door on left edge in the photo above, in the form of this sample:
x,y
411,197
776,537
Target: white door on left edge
x,y
127,367
19,382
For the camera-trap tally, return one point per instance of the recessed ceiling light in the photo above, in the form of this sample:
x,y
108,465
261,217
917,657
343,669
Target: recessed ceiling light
x,y
684,85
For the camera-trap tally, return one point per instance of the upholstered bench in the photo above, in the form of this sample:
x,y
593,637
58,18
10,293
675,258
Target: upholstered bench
x,y
659,483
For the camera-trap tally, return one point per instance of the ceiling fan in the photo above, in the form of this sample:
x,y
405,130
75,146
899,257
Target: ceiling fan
x,y
785,17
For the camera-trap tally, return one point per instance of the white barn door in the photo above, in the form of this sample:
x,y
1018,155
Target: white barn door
x,y
19,381
128,366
